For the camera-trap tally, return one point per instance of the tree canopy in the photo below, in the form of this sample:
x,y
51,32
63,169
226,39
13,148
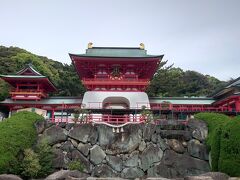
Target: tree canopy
x,y
64,76
170,81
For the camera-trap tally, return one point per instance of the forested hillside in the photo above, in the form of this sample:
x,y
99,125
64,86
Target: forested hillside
x,y
171,81
64,76
168,80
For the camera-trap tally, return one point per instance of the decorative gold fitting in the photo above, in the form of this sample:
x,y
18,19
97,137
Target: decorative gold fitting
x,y
90,45
142,46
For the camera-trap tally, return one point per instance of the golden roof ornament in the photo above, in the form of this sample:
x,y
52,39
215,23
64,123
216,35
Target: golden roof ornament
x,y
90,45
142,46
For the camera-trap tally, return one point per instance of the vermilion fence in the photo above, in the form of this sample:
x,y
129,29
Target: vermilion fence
x,y
110,119
115,120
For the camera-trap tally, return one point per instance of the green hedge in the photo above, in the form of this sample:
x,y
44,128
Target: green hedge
x,y
16,134
214,121
224,142
229,159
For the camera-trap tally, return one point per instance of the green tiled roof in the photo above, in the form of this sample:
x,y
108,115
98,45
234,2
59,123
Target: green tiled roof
x,y
182,100
47,101
115,52
22,76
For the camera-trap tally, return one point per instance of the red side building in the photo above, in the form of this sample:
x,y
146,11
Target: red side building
x,y
28,84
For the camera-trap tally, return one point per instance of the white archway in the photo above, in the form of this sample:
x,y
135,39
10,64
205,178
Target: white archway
x,y
116,103
96,99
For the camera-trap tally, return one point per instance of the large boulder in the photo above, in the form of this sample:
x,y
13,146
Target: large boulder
x,y
169,125
67,146
152,154
157,139
77,175
198,178
103,171
84,148
9,177
176,145
76,155
216,175
59,159
162,170
142,146
175,165
84,133
54,135
127,141
40,126
132,161
199,129
66,174
176,134
132,172
148,130
115,163
197,149
97,155
106,136
59,175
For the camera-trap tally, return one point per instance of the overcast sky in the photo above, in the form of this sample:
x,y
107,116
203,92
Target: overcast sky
x,y
200,35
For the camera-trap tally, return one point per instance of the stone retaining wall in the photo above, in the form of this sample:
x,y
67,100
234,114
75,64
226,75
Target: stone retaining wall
x,y
167,150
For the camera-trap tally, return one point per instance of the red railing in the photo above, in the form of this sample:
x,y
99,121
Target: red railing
x,y
116,120
106,81
191,108
171,107
110,119
27,94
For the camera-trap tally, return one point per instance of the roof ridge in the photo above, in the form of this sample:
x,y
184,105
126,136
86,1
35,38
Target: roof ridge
x,y
31,67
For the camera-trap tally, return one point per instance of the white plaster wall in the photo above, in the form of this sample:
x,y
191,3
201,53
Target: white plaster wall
x,y
94,99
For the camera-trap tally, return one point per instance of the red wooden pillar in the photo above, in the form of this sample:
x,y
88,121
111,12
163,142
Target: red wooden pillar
x,y
237,104
53,110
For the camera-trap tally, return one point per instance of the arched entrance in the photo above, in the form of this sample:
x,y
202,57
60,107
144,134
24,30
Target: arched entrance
x,y
118,106
116,103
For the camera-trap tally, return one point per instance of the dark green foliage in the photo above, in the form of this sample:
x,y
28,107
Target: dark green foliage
x,y
215,146
45,155
4,90
64,76
224,141
16,134
214,121
229,161
30,164
171,81
237,118
76,165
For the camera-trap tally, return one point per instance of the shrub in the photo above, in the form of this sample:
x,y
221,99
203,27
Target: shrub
x,y
223,139
16,134
214,121
229,159
237,118
45,154
76,165
30,164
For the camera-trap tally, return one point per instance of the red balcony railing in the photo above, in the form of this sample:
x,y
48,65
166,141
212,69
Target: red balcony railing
x,y
27,94
109,81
